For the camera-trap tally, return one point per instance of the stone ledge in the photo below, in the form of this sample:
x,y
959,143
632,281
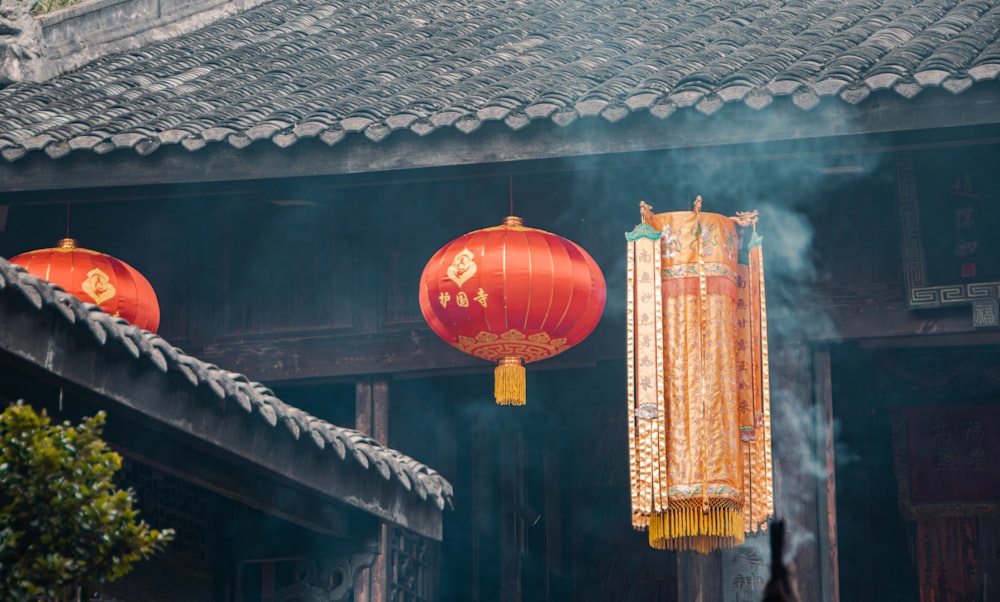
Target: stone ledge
x,y
69,38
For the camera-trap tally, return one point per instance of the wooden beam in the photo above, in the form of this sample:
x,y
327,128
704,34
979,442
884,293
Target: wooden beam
x,y
483,502
395,352
511,524
372,407
875,314
246,487
699,577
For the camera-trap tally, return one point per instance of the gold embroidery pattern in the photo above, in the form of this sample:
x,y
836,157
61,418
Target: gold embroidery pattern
x,y
98,286
647,434
512,343
462,267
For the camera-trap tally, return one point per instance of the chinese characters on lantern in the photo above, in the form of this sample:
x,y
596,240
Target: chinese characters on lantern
x,y
462,298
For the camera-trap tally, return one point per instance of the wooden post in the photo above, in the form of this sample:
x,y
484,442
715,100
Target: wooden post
x,y
553,501
484,500
796,467
371,408
827,488
699,576
511,524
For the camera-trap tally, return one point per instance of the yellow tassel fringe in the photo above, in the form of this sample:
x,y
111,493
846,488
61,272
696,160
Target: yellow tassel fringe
x,y
508,382
689,527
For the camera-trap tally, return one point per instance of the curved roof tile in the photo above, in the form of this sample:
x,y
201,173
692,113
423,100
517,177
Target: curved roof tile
x,y
292,69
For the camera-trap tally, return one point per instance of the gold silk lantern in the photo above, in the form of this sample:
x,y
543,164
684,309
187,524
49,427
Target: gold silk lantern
x,y
698,402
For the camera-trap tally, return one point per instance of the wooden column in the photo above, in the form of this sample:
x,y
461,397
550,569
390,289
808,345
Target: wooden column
x,y
371,408
699,577
802,476
826,487
484,500
371,413
511,524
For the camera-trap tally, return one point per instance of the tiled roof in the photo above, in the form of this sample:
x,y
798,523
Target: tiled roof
x,y
294,69
152,352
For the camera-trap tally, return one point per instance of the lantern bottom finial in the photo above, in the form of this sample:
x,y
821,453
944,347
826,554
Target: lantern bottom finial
x,y
508,382
690,527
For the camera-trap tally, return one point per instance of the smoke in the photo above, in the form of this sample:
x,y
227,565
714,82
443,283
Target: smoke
x,y
800,199
790,275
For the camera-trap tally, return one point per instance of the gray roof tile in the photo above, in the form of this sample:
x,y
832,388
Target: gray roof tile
x,y
293,69
151,351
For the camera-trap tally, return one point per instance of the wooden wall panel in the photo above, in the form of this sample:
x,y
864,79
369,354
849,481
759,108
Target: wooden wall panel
x,y
291,268
420,218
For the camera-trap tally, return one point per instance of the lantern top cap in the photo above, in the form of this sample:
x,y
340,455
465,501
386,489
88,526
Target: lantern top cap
x,y
513,220
67,244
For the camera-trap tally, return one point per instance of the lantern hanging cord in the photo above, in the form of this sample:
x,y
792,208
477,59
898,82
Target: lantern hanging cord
x,y
510,187
67,220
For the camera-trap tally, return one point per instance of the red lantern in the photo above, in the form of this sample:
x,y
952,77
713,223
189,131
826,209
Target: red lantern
x,y
513,295
92,277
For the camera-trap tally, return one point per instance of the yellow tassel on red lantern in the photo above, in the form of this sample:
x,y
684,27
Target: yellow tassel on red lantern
x,y
698,412
508,382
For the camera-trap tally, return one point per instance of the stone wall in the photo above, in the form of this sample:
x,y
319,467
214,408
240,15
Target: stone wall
x,y
40,48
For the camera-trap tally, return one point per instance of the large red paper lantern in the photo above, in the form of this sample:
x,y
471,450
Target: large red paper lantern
x,y
93,277
512,295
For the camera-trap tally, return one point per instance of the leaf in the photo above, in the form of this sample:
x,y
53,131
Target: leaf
x,y
67,525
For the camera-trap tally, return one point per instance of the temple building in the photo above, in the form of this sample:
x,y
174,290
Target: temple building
x,y
283,171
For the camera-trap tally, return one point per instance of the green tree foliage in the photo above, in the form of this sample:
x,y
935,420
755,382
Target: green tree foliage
x,y
44,7
63,524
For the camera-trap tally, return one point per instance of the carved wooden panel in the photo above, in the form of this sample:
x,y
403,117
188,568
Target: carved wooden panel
x,y
165,502
948,207
413,567
300,579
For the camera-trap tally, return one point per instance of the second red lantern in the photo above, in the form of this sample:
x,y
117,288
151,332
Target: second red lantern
x,y
98,278
513,295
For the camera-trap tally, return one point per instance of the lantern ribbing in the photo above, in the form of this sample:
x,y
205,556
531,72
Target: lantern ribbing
x,y
97,278
512,295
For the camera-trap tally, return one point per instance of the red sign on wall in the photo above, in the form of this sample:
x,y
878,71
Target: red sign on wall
x,y
953,454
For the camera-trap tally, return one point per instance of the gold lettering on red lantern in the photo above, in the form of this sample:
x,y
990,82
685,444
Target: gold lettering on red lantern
x,y
462,299
481,297
444,298
98,286
462,267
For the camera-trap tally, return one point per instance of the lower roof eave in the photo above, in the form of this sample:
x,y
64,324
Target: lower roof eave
x,y
149,396
881,113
